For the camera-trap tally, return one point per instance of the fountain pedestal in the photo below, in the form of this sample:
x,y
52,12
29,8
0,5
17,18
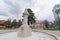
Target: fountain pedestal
x,y
25,30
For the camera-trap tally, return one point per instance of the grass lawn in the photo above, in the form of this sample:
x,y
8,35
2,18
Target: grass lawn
x,y
50,29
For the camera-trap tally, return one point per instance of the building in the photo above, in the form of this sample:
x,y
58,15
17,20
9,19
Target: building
x,y
38,25
2,24
56,7
56,16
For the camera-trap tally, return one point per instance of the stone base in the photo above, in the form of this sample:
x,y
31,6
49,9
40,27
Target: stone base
x,y
24,31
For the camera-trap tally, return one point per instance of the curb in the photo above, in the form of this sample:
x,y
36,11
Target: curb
x,y
46,33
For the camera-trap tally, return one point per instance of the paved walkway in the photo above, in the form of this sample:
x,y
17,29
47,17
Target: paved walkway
x,y
55,33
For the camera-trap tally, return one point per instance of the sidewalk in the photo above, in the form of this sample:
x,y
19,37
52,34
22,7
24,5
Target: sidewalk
x,y
55,33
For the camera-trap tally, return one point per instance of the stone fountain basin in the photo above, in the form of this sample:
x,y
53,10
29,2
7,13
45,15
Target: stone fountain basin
x,y
35,36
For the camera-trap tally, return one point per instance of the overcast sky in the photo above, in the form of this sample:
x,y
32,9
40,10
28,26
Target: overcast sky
x,y
14,8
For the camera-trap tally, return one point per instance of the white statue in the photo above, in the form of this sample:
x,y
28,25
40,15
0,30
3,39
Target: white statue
x,y
25,30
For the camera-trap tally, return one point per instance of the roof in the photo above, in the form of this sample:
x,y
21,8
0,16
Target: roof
x,y
2,21
57,6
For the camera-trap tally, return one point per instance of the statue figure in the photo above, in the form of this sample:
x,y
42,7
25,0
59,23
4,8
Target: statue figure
x,y
25,30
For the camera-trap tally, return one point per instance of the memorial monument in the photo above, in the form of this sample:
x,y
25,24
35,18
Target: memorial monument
x,y
25,30
25,33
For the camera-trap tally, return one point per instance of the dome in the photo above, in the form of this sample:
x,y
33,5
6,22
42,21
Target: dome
x,y
56,7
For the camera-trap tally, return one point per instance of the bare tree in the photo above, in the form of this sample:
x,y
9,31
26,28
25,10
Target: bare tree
x,y
8,23
46,23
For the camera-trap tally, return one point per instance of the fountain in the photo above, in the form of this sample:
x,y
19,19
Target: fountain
x,y
25,32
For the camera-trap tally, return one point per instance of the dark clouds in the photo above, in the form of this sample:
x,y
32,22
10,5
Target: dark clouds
x,y
15,8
